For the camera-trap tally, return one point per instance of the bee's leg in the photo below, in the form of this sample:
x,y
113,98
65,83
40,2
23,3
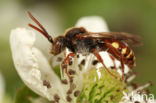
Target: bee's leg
x,y
122,67
114,51
66,62
113,59
96,52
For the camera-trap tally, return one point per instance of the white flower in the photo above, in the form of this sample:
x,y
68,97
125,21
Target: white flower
x,y
31,64
34,68
37,73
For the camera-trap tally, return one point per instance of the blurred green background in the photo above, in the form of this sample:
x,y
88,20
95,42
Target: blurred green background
x,y
133,16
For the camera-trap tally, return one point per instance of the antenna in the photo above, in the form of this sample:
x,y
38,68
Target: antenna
x,y
41,29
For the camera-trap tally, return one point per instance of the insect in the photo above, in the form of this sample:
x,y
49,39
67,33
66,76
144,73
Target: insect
x,y
79,40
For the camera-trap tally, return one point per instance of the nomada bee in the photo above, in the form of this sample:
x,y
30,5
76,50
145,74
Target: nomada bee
x,y
79,40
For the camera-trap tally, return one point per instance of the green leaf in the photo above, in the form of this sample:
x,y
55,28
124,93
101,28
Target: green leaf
x,y
25,95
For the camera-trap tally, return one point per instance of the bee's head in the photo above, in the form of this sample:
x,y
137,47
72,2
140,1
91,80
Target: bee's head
x,y
58,45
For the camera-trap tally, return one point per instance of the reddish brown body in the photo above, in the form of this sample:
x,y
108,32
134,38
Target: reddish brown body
x,y
123,49
79,40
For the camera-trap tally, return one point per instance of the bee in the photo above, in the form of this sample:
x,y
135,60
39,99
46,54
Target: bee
x,y
79,40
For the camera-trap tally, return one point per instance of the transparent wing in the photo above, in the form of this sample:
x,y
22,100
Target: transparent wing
x,y
131,39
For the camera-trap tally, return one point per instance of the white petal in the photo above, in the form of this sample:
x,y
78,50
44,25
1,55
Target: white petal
x,y
31,65
93,24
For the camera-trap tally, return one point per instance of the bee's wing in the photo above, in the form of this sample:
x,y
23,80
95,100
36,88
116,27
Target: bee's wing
x,y
133,40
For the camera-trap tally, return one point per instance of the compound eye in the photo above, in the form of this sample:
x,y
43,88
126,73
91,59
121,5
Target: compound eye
x,y
56,48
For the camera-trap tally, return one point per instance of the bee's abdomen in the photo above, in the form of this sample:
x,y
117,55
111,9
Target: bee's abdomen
x,y
128,56
126,52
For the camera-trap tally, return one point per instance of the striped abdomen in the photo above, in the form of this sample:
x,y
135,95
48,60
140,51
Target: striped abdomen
x,y
122,49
